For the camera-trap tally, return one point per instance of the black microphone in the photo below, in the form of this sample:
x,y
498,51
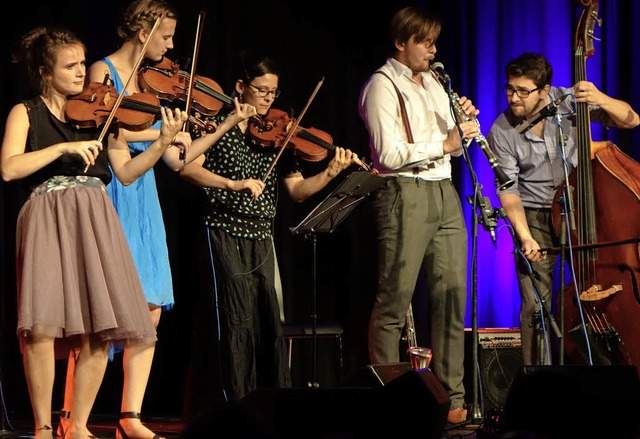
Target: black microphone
x,y
548,111
488,217
441,74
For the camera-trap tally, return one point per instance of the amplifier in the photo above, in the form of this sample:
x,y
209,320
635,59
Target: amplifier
x,y
498,338
499,360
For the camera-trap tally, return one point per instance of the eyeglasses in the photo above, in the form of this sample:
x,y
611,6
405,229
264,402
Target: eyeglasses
x,y
263,92
521,92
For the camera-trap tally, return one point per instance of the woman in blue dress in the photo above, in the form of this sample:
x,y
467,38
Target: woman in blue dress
x,y
138,205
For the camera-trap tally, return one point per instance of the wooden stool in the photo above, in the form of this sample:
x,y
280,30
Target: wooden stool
x,y
292,331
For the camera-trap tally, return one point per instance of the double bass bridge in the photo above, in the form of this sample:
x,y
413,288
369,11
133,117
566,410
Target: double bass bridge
x,y
595,293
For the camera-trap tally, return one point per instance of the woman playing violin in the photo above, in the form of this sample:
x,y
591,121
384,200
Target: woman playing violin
x,y
249,350
139,203
78,287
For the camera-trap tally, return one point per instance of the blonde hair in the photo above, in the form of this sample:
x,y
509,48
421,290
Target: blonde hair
x,y
142,14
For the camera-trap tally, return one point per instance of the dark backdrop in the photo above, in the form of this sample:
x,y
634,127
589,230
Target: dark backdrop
x,y
342,42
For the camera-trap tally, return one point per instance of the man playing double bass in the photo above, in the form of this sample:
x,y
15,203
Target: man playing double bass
x,y
530,155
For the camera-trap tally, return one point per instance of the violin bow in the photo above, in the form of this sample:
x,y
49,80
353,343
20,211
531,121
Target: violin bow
x,y
133,72
192,75
107,123
293,129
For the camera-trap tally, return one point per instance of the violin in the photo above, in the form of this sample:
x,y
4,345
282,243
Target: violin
x,y
166,80
310,144
137,112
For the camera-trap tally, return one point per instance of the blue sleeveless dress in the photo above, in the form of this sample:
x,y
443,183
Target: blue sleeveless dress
x,y
138,207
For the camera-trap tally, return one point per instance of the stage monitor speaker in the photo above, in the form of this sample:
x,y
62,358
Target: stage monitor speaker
x,y
418,395
499,360
558,402
376,375
406,394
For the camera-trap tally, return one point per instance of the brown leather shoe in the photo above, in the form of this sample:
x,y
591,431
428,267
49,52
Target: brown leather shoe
x,y
457,416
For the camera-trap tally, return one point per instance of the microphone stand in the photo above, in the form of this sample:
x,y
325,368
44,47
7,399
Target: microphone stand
x,y
545,312
476,415
566,209
476,200
486,217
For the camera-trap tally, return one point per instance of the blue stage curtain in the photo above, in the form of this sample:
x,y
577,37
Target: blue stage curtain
x,y
476,43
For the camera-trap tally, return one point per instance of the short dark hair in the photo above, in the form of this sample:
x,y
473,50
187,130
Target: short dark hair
x,y
532,66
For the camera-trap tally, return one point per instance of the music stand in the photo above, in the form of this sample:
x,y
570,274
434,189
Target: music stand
x,y
325,218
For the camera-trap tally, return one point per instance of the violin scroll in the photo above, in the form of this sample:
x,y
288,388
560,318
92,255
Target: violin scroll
x,y
270,130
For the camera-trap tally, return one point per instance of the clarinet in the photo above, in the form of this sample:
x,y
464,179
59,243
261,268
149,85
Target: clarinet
x,y
504,181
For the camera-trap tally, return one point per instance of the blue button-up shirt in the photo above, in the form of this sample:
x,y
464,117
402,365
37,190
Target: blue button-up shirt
x,y
536,165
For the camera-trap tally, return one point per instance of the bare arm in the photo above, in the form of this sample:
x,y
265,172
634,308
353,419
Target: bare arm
x,y
620,112
181,141
515,212
128,169
195,174
300,188
15,163
201,145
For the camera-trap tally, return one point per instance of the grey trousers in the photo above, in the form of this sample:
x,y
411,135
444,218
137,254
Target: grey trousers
x,y
534,332
419,226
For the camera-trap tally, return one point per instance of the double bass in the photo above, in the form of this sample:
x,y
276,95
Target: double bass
x,y
601,308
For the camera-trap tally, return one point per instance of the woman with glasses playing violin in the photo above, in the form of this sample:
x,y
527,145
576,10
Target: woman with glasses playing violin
x,y
238,344
531,158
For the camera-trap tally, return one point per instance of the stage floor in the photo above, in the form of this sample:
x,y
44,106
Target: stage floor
x,y
102,426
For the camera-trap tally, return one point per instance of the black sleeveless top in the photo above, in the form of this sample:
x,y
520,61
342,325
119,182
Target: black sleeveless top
x,y
46,130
